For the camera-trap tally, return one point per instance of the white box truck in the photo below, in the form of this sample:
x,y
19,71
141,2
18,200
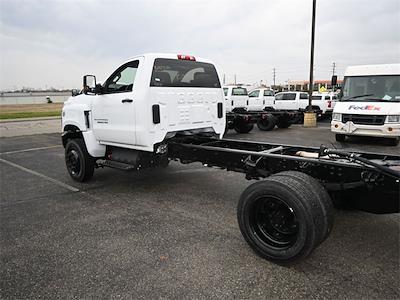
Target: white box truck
x,y
369,104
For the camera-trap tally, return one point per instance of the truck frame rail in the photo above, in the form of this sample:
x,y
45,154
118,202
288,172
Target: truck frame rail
x,y
368,180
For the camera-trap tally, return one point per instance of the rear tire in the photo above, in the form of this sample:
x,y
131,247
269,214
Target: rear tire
x,y
267,124
325,202
280,219
340,137
80,164
242,127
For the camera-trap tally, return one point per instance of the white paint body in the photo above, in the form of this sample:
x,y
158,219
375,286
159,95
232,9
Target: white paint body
x,y
234,101
367,107
259,99
130,124
291,100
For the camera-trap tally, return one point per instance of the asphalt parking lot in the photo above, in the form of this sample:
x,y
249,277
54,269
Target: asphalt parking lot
x,y
171,233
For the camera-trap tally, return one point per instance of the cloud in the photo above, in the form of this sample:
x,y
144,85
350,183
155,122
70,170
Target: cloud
x,y
53,43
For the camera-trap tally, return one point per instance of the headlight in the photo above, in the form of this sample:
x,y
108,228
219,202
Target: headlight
x,y
393,119
337,117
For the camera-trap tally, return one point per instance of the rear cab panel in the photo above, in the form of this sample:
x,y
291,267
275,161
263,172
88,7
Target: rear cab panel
x,y
187,93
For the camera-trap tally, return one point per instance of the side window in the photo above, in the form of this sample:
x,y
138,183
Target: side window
x,y
226,92
289,96
255,93
303,96
279,97
268,93
316,97
122,79
327,97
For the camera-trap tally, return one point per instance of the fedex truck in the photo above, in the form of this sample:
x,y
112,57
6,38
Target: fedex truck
x,y
369,103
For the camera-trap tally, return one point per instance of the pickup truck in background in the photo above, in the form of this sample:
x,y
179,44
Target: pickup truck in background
x,y
369,103
325,101
235,97
261,99
296,101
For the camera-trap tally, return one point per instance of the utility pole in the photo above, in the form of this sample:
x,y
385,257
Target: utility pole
x,y
274,75
235,79
310,88
333,68
223,80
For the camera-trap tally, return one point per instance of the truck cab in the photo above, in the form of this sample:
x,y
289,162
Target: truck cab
x,y
260,99
291,100
146,100
369,103
236,98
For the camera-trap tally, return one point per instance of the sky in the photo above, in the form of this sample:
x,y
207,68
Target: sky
x,y
54,43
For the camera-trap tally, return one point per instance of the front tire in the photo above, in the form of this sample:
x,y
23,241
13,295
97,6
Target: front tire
x,y
243,127
281,219
80,164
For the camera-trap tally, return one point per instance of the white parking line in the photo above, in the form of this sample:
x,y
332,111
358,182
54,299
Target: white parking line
x,y
62,184
31,149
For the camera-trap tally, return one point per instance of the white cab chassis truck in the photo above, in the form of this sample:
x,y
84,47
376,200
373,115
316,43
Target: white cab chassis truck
x,y
160,107
369,104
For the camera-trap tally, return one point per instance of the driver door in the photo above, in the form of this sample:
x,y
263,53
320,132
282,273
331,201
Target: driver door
x,y
114,110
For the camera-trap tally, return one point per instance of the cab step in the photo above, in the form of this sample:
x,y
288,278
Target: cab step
x,y
115,165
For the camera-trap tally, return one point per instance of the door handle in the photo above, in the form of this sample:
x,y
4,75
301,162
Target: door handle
x,y
127,100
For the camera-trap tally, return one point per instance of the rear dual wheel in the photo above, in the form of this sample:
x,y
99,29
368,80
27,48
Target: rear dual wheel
x,y
285,217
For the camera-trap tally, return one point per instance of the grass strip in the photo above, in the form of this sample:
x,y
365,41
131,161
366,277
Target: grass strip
x,y
28,114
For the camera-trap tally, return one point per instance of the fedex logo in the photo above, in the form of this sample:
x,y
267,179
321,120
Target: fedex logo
x,y
366,107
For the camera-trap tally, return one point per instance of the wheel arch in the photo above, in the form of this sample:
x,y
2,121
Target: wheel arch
x,y
70,132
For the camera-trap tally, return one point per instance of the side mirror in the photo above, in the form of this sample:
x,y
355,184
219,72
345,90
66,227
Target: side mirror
x,y
89,84
75,92
334,80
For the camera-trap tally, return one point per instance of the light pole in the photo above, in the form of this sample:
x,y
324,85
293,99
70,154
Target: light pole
x,y
310,118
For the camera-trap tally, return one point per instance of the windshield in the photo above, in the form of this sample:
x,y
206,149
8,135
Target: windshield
x,y
372,88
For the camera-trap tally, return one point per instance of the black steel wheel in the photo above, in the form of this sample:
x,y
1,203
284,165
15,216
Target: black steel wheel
x,y
274,222
267,123
279,220
80,164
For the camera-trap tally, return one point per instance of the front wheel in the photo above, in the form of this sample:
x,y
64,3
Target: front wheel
x,y
243,127
80,164
281,219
